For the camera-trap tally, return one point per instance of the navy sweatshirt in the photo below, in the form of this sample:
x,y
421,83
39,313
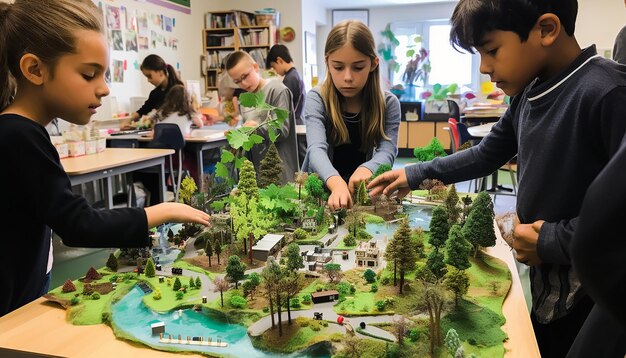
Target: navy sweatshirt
x,y
36,196
564,131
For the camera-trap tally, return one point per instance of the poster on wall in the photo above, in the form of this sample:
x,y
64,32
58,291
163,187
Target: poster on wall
x,y
115,38
143,43
131,41
178,5
142,24
167,24
118,71
113,18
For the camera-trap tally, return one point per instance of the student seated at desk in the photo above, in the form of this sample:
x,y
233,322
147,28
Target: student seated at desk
x,y
228,93
177,109
163,77
39,39
244,71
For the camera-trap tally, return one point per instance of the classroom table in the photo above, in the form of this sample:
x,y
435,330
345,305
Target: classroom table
x,y
41,327
114,161
480,130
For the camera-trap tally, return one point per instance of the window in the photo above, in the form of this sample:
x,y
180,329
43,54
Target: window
x,y
447,64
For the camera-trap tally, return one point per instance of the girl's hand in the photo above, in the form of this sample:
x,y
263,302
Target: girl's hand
x,y
340,196
525,237
175,212
250,123
390,182
359,175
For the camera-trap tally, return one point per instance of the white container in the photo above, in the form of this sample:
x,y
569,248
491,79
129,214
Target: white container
x,y
62,149
76,149
91,147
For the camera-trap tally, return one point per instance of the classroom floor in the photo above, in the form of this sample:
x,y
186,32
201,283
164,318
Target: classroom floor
x,y
72,262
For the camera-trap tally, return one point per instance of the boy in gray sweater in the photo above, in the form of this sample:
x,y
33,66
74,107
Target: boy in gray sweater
x,y
565,122
244,71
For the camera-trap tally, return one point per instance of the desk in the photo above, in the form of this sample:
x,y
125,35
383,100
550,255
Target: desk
x,y
480,130
114,161
42,327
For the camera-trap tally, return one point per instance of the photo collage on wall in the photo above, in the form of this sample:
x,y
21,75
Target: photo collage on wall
x,y
133,31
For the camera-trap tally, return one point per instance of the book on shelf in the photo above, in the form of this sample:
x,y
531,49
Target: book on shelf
x,y
216,40
259,55
254,37
215,58
228,19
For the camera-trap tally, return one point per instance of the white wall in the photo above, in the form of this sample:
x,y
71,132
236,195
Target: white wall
x,y
599,21
313,17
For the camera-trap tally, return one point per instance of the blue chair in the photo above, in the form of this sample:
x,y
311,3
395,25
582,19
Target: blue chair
x,y
169,136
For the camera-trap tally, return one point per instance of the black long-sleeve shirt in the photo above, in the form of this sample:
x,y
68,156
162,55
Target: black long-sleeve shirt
x,y
154,101
36,196
564,131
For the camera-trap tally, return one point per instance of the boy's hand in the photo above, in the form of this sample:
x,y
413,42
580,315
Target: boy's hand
x,y
250,123
359,175
390,182
339,193
525,238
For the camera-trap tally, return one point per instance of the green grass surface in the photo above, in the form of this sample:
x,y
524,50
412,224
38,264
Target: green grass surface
x,y
168,299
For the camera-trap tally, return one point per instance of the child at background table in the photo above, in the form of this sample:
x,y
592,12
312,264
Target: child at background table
x,y
177,109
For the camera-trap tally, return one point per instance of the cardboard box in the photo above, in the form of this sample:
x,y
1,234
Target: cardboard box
x,y
76,148
102,144
91,147
62,149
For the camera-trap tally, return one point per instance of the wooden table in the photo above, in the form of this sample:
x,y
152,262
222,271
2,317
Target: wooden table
x,y
41,327
114,161
480,130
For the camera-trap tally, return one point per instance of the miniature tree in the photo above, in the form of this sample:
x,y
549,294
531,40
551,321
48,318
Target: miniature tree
x,y
355,220
452,342
92,274
150,271
467,205
235,270
458,249
391,256
300,234
362,198
351,346
112,263
381,169
417,236
400,328
369,276
451,203
435,300
188,188
177,285
315,187
457,281
439,227
218,251
433,150
249,222
291,285
270,168
294,259
68,286
139,265
247,181
478,228
221,285
272,276
435,263
300,179
251,284
333,271
192,283
198,282
208,250
405,253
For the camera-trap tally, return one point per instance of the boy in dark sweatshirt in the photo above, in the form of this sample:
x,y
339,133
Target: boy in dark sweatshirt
x,y
565,122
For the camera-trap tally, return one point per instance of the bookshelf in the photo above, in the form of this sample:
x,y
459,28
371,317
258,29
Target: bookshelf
x,y
228,31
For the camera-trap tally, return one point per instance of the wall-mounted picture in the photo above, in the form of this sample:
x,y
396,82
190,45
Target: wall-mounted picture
x,y
131,41
143,43
174,43
115,39
113,18
142,24
167,24
355,14
118,71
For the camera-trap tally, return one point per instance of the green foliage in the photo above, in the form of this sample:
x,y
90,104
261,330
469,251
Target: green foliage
x,y
157,294
300,234
235,270
198,282
95,296
439,227
362,198
247,181
380,305
106,317
458,282
349,240
451,202
435,264
295,303
271,168
279,199
381,169
192,282
250,285
405,256
374,287
180,295
294,259
187,189
333,271
363,235
417,236
238,302
344,289
369,275
112,263
247,218
458,249
74,301
177,284
429,152
149,271
413,334
314,186
440,93
306,299
478,228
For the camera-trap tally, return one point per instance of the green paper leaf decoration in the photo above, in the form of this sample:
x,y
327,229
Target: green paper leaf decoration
x,y
251,99
236,138
239,162
272,134
227,157
221,170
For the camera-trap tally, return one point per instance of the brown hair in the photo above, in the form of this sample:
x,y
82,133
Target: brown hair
x,y
157,63
176,101
372,115
44,28
234,58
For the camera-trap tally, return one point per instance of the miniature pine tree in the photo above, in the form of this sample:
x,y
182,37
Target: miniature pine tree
x,y
177,284
208,250
247,180
149,268
369,276
406,254
235,270
218,251
452,342
361,194
458,249
68,286
439,227
435,264
92,274
315,187
391,256
381,169
478,228
198,282
112,263
188,187
271,168
457,281
192,283
294,259
451,203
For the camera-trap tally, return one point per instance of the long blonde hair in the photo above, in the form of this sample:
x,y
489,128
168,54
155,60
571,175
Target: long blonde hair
x,y
44,28
372,112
